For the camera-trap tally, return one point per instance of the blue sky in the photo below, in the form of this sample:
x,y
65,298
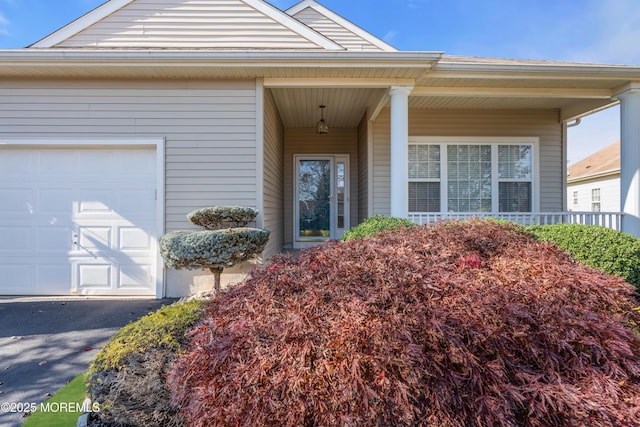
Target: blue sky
x,y
601,31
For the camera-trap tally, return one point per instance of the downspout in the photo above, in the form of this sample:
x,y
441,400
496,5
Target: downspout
x,y
565,140
575,123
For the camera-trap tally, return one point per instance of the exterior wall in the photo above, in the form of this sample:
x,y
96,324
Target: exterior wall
x,y
209,129
424,122
273,177
307,141
334,31
609,194
157,23
363,172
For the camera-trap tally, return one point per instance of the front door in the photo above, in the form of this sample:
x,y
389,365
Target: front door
x,y
321,203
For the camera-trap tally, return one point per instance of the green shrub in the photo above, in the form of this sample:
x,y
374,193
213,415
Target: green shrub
x,y
127,378
608,250
375,225
163,328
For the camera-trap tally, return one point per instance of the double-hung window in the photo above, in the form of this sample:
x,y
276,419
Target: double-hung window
x,y
472,175
595,199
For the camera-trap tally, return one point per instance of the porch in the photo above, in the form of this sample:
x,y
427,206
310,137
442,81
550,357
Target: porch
x,y
611,220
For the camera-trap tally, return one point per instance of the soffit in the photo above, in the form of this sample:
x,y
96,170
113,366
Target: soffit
x,y
345,107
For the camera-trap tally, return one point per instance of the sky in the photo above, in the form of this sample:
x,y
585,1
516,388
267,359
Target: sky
x,y
597,31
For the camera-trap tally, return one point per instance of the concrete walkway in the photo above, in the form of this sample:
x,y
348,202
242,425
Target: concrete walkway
x,y
45,342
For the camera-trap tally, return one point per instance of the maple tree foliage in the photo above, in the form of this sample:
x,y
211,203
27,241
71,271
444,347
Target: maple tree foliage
x,y
467,323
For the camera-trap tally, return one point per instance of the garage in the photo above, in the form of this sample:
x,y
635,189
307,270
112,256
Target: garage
x,y
79,220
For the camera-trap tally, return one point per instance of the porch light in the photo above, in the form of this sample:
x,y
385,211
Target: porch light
x,y
323,127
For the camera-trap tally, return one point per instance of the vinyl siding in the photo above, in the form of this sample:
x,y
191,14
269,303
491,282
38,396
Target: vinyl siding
x,y
273,177
609,194
363,171
227,24
209,129
336,32
543,124
307,141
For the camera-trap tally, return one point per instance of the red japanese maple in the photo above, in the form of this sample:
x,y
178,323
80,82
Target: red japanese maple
x,y
458,324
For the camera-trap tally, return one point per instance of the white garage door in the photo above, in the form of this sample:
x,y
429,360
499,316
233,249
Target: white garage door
x,y
77,221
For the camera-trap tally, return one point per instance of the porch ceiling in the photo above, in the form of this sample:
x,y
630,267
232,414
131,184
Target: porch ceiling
x,y
346,107
299,107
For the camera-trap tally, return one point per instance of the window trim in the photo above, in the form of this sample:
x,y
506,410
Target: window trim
x,y
444,141
596,200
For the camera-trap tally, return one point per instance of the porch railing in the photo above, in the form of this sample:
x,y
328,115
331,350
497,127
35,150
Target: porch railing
x,y
605,219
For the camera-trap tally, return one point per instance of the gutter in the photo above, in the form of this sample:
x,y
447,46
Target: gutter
x,y
49,57
542,67
610,173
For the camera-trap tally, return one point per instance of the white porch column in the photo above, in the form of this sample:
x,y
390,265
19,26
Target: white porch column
x,y
630,159
399,150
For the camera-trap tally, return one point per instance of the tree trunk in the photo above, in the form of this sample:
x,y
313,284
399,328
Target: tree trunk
x,y
217,272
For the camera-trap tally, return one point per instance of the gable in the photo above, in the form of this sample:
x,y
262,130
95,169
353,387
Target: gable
x,y
338,29
218,24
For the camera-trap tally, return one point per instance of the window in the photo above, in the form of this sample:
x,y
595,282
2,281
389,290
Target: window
x,y
575,198
424,178
595,199
471,177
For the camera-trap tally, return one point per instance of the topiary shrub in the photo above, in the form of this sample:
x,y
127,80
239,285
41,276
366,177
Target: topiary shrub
x,y
127,377
218,247
468,323
219,217
608,250
375,225
213,249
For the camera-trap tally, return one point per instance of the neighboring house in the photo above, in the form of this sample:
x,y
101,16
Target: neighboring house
x,y
116,126
593,183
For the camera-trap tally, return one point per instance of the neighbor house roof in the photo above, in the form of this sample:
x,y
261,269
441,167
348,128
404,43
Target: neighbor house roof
x,y
600,164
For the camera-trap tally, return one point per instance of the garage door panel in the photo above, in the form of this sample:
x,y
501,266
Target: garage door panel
x,y
17,201
135,276
137,201
73,220
95,276
18,277
134,239
53,278
135,164
96,200
15,239
97,238
17,163
55,238
95,163
55,201
56,163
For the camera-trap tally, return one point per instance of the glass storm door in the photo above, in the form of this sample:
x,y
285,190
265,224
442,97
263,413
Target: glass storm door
x,y
321,199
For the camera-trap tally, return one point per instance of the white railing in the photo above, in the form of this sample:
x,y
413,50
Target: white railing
x,y
605,219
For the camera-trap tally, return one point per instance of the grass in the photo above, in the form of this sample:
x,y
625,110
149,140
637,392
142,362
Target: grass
x,y
73,392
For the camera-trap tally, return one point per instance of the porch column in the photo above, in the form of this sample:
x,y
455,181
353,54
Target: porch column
x,y
630,159
399,150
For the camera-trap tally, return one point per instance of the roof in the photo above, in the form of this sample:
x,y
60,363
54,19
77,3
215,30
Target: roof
x,y
307,54
602,163
228,24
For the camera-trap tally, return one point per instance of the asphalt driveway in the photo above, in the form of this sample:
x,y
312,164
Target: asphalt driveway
x,y
45,342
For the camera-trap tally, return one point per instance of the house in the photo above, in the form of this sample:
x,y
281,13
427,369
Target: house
x,y
593,183
117,125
